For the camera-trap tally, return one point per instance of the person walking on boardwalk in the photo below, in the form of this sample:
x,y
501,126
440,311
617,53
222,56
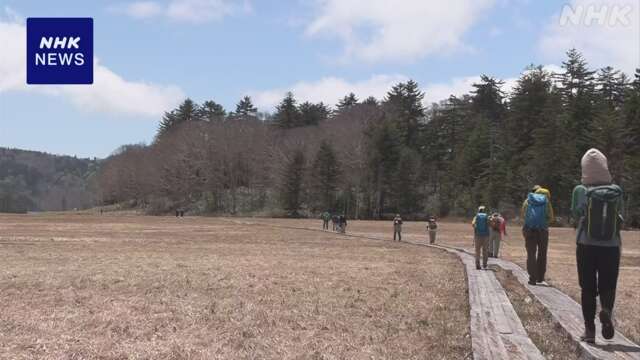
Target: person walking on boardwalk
x,y
432,228
538,214
397,227
480,225
497,229
597,206
326,217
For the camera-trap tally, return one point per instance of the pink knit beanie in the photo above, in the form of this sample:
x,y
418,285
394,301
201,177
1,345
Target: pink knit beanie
x,y
595,170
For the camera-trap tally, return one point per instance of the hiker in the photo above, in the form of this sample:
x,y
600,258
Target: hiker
x,y
325,216
538,214
432,227
480,225
343,223
334,222
596,205
397,227
497,229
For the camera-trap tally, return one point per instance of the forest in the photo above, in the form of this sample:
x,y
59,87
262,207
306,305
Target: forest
x,y
37,181
371,158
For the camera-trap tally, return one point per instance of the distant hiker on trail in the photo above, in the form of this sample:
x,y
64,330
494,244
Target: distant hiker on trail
x,y
335,219
497,229
397,227
480,225
432,228
597,205
342,221
325,216
538,214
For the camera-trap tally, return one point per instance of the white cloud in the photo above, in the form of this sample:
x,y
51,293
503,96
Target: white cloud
x,y
109,92
437,92
607,32
192,11
328,90
143,9
379,30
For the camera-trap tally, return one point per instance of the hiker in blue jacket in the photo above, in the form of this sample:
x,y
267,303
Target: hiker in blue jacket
x,y
597,206
480,225
537,213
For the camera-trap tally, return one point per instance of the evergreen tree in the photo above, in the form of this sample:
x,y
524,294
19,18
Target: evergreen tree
x,y
186,111
531,96
347,102
384,148
324,177
211,111
578,93
313,114
611,87
404,102
406,186
553,158
487,105
246,108
631,178
287,115
370,101
291,189
444,140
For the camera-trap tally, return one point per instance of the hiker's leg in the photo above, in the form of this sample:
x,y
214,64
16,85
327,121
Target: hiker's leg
x,y
394,235
399,235
543,243
608,265
531,247
586,261
493,243
496,245
485,251
478,247
432,237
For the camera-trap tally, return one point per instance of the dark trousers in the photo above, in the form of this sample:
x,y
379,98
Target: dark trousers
x,y
536,243
598,275
325,224
399,235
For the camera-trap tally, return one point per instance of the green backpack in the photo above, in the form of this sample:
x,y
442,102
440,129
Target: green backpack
x,y
603,214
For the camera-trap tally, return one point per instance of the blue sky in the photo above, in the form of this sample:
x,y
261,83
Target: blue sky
x,y
153,53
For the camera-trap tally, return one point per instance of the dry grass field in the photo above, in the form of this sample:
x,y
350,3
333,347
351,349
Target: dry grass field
x,y
561,269
131,287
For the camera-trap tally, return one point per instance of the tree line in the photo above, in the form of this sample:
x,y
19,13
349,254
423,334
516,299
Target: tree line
x,y
373,157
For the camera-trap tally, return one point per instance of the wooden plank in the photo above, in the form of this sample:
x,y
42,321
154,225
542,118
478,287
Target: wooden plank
x,y
496,330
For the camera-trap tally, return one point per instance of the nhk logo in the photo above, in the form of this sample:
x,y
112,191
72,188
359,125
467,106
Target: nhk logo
x,y
59,51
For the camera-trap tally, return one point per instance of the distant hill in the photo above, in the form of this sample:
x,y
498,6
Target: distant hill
x,y
37,181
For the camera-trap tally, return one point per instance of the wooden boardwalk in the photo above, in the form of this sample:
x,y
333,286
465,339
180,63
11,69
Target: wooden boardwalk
x,y
568,314
496,329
